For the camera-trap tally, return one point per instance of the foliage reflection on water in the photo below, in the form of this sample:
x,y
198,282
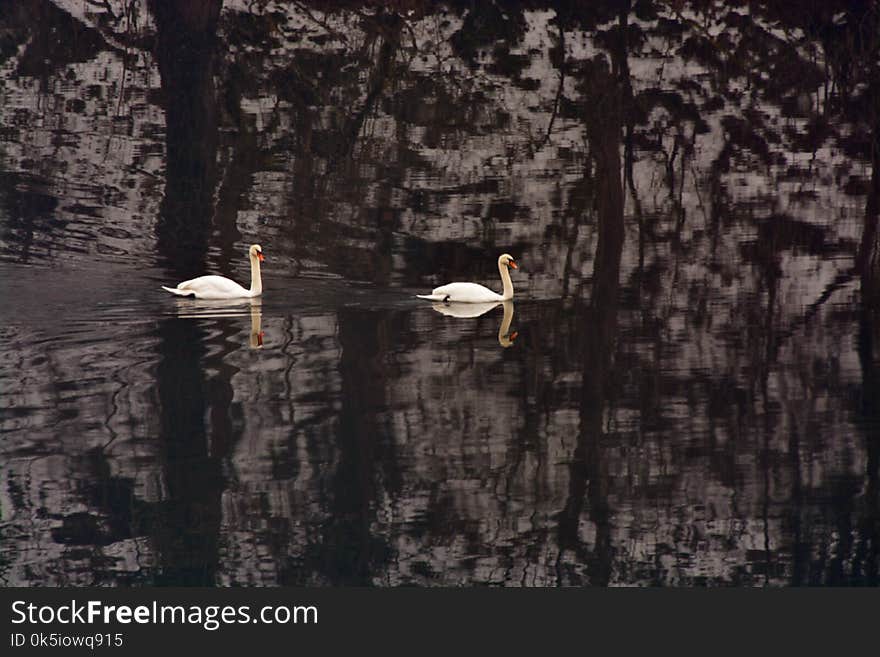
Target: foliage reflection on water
x,y
686,393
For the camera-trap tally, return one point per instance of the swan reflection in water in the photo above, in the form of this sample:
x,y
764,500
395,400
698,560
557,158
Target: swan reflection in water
x,y
453,309
226,308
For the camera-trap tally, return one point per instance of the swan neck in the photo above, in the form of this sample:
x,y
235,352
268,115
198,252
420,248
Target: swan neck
x,y
505,280
256,281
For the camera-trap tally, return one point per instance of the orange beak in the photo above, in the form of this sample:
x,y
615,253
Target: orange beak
x,y
513,335
260,256
512,264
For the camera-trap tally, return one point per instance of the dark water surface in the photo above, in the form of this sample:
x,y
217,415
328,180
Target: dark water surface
x,y
684,391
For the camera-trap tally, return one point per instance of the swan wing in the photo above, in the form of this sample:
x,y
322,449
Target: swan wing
x,y
210,287
464,293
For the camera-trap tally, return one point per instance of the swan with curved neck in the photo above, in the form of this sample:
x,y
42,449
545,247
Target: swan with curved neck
x,y
220,287
474,293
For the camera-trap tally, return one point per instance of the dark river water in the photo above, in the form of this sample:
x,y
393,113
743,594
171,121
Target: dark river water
x,y
684,391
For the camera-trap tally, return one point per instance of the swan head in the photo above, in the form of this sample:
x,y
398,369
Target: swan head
x,y
256,251
507,260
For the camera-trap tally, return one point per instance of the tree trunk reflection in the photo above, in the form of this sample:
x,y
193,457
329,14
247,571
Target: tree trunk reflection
x,y
185,54
589,476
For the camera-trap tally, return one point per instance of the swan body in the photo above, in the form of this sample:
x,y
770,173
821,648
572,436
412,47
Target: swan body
x,y
220,287
474,293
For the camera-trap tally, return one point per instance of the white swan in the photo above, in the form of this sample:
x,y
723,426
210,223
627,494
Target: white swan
x,y
220,287
505,337
473,293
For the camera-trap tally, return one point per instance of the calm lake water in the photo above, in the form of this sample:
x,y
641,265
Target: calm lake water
x,y
685,390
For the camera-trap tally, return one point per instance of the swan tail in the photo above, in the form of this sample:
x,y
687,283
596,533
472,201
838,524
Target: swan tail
x,y
433,297
178,292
